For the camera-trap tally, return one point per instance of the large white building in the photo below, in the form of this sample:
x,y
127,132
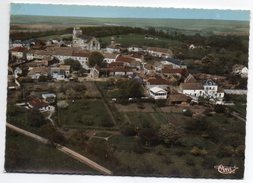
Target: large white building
x,y
158,93
208,89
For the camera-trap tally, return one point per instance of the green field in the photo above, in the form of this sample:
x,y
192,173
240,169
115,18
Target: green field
x,y
26,155
84,113
214,26
138,40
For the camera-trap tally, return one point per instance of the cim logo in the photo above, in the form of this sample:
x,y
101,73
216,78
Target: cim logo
x,y
226,169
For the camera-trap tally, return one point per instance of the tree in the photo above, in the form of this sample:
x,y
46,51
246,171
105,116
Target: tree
x,y
148,136
130,88
49,132
169,134
95,58
35,118
74,64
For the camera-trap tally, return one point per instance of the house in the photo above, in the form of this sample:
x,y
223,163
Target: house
x,y
240,70
49,97
94,72
36,72
159,52
190,79
17,72
134,49
192,47
113,48
39,104
174,63
169,72
129,61
207,89
179,98
40,54
18,52
84,42
63,53
192,89
120,72
109,57
148,69
157,93
37,63
60,73
157,82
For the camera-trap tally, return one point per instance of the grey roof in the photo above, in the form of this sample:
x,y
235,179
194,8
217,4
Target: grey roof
x,y
209,82
175,61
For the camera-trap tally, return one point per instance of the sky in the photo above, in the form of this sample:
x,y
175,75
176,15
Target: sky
x,y
126,12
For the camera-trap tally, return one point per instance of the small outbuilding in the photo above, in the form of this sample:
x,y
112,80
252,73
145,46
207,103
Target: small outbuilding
x,y
158,93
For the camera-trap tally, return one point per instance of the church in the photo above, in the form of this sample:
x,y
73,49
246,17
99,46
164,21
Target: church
x,y
84,42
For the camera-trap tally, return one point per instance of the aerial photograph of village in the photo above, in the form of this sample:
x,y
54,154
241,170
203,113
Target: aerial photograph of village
x,y
151,92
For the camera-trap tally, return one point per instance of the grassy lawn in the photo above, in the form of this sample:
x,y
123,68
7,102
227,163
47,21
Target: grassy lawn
x,y
26,155
138,40
144,119
83,113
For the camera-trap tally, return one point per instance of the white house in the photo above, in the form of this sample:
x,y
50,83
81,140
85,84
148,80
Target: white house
x,y
160,52
109,57
240,70
157,93
60,73
18,52
207,89
134,49
41,105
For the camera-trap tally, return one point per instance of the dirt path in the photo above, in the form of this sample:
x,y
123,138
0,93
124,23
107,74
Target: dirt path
x,y
63,149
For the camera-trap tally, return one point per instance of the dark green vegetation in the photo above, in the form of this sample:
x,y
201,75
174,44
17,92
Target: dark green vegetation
x,y
23,154
80,114
95,58
145,141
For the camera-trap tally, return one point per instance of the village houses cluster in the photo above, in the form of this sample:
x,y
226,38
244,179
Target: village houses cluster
x,y
166,78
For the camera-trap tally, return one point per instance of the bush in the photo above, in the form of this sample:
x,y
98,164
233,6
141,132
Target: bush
x,y
219,108
63,104
128,130
188,112
198,152
161,102
106,123
210,162
225,151
189,161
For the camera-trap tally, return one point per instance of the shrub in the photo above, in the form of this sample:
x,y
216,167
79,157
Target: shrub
x,y
128,130
209,162
198,152
188,112
106,123
189,161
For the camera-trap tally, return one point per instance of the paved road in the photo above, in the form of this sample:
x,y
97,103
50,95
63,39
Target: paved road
x,y
63,149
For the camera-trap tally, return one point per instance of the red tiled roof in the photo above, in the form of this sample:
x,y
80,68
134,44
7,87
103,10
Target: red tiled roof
x,y
81,54
116,64
191,86
19,49
121,58
158,81
37,103
181,71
